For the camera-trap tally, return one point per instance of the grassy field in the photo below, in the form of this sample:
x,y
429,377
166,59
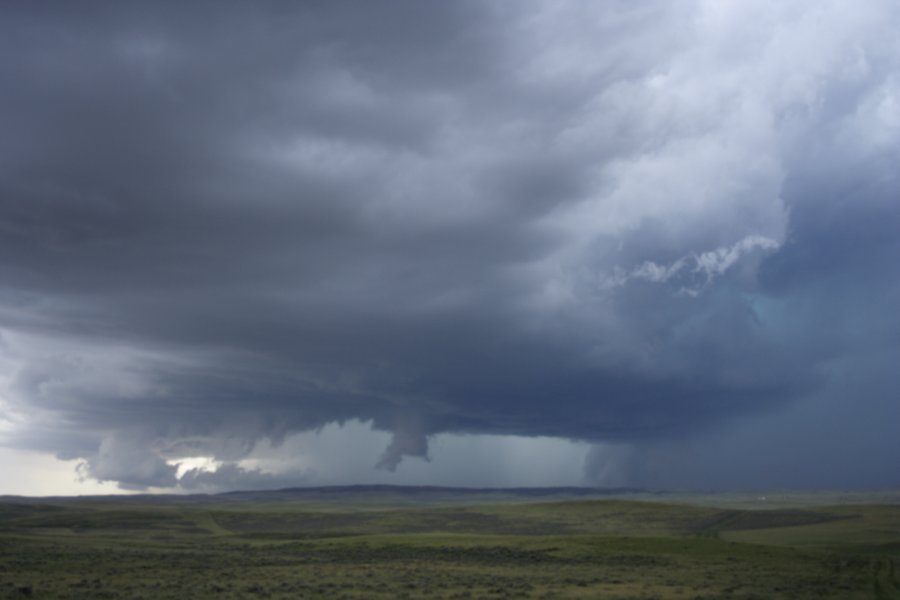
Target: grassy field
x,y
368,546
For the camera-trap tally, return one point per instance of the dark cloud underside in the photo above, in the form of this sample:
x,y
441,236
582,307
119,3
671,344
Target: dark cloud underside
x,y
595,221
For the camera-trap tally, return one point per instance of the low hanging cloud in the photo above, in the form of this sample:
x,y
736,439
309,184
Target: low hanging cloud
x,y
625,224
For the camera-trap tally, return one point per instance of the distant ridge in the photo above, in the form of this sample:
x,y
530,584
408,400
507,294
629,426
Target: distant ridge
x,y
385,495
372,493
434,489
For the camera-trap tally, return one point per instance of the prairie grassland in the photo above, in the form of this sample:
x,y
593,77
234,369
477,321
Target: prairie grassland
x,y
563,549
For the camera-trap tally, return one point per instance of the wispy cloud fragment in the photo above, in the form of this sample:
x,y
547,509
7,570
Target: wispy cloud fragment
x,y
701,268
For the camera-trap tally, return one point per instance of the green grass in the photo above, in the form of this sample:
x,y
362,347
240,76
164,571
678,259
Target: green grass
x,y
564,549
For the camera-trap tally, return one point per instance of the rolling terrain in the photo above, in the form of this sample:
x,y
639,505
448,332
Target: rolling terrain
x,y
388,542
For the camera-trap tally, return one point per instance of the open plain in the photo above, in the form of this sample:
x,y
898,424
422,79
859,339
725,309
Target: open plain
x,y
382,542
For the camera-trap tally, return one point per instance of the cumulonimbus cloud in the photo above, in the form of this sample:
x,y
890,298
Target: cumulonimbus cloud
x,y
594,221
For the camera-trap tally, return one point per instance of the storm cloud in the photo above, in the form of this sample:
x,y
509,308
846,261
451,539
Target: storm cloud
x,y
633,224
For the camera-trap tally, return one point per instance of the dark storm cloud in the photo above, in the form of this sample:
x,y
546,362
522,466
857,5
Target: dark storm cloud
x,y
598,221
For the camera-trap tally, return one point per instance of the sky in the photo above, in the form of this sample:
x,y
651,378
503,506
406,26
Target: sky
x,y
474,243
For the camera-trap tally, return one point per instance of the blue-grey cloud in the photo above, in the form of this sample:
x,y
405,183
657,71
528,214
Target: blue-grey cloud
x,y
613,222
